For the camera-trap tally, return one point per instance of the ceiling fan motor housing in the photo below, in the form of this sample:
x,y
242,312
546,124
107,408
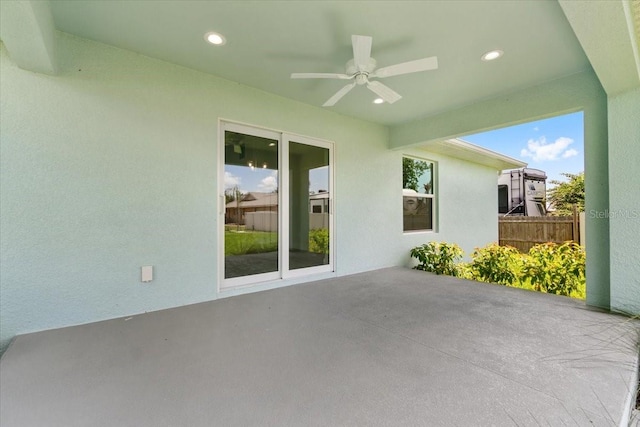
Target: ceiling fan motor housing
x,y
364,70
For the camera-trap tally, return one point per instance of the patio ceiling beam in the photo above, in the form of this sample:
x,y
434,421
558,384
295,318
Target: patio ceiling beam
x,y
609,38
28,32
565,95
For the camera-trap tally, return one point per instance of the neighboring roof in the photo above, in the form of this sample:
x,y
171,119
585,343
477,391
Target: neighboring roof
x,y
322,195
473,153
255,199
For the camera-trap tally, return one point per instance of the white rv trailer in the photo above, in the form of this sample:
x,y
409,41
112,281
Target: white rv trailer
x,y
522,192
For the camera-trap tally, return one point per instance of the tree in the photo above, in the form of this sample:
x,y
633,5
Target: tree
x,y
231,194
229,197
566,194
412,170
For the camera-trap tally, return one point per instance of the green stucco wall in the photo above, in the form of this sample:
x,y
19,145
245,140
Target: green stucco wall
x,y
112,164
624,196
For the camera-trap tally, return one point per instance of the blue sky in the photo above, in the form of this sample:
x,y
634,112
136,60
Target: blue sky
x,y
554,145
250,179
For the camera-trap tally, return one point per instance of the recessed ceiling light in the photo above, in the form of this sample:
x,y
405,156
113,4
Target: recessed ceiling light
x,y
378,101
491,55
215,38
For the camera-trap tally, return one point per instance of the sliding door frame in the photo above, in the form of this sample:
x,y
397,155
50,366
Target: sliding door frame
x,y
287,138
283,140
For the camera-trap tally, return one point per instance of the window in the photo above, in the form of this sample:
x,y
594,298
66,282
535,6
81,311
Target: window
x,y
417,194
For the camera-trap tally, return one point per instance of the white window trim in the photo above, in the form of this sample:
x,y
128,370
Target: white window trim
x,y
432,196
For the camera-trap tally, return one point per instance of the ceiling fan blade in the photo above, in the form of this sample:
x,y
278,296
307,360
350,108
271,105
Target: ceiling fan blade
x,y
407,67
383,91
361,51
339,94
320,76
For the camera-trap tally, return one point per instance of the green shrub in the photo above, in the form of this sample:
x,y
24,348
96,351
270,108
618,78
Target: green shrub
x,y
319,240
465,271
496,264
556,269
438,257
549,267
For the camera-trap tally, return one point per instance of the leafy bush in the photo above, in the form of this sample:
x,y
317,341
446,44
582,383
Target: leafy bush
x,y
465,271
319,240
438,257
496,264
556,269
551,268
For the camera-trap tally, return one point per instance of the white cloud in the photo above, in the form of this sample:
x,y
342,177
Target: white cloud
x,y
539,150
231,181
269,183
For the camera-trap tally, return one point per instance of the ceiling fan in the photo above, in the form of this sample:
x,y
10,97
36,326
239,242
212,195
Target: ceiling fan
x,y
363,67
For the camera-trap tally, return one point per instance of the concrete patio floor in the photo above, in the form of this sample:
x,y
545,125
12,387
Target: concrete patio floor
x,y
387,347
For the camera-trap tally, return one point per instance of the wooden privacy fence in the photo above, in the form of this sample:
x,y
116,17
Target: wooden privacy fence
x,y
523,232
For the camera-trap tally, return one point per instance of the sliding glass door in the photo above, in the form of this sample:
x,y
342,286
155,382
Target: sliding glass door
x,y
309,196
275,204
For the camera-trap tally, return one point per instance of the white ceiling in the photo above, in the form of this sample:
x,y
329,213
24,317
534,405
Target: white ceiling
x,y
268,40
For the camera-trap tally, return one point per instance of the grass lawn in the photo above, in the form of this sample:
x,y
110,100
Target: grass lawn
x,y
249,242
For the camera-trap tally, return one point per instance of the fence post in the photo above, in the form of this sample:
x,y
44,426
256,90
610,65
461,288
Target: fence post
x,y
582,219
576,229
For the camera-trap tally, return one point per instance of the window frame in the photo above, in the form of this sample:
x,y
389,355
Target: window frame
x,y
432,196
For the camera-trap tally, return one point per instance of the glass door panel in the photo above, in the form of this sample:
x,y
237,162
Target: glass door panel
x,y
251,214
309,215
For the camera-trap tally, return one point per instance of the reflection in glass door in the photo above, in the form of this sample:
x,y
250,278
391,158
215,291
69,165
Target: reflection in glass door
x,y
276,204
251,204
309,196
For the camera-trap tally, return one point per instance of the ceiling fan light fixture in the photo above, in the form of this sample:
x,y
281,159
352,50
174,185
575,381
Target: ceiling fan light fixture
x,y
378,101
215,38
491,55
